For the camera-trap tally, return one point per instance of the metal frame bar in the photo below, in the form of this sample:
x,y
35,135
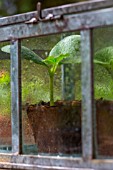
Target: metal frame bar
x,y
79,7
85,20
61,10
16,97
51,162
87,94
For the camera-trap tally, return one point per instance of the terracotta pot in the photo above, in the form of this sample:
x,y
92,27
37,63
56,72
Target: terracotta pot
x,y
104,117
56,129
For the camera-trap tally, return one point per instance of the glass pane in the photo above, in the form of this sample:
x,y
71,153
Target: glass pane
x,y
5,101
103,76
55,129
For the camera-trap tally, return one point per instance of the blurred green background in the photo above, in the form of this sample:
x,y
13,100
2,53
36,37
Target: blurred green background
x,y
11,7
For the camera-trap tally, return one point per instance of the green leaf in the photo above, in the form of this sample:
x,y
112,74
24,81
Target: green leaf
x,y
104,55
26,53
69,45
51,60
61,57
104,64
58,59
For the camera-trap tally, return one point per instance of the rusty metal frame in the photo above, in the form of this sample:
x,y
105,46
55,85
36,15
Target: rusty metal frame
x,y
87,100
61,10
84,17
86,20
16,115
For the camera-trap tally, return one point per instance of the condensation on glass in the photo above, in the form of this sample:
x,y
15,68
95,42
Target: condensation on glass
x,y
58,130
5,102
91,79
103,90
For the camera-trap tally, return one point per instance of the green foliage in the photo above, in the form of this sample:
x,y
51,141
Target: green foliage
x,y
4,78
5,100
103,83
66,51
5,93
69,45
53,62
104,57
26,53
34,91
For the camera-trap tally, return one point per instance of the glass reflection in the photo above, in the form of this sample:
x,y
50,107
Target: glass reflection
x,y
56,129
103,75
5,102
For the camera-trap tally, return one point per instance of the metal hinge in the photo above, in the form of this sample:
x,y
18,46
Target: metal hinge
x,y
38,17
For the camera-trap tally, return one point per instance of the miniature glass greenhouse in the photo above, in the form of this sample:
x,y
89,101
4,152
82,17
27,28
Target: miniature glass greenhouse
x,y
56,85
